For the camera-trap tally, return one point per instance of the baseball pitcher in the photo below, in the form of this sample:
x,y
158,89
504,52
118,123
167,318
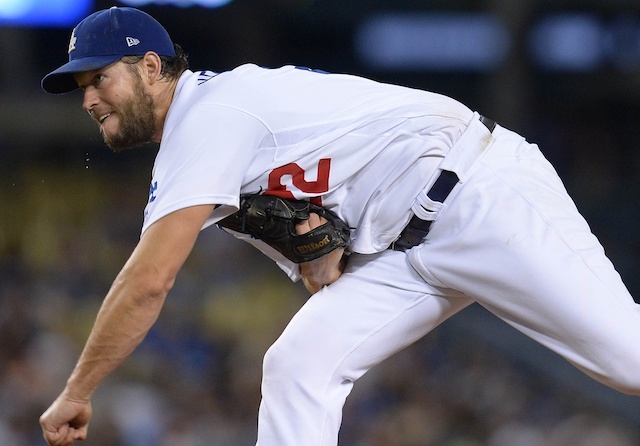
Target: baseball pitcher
x,y
397,208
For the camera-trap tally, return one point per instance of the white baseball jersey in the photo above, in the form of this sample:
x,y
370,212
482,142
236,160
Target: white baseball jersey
x,y
508,236
361,148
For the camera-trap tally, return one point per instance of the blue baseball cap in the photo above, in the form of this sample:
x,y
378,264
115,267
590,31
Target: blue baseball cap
x,y
105,37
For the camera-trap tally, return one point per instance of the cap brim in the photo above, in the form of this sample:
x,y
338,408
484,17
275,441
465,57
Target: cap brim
x,y
61,80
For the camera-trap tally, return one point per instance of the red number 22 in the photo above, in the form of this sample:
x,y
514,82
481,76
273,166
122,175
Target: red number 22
x,y
296,172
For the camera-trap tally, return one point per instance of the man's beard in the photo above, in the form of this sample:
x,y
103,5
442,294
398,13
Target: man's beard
x,y
136,122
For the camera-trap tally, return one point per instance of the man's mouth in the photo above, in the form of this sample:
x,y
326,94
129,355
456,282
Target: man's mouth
x,y
102,118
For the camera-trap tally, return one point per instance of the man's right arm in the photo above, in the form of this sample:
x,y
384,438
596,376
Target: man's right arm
x,y
324,270
130,308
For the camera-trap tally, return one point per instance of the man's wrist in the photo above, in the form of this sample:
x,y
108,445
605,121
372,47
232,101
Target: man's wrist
x,y
74,391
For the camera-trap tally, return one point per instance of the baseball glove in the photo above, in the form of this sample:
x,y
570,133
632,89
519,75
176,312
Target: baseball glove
x,y
273,220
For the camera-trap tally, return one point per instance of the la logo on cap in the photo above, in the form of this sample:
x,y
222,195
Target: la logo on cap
x,y
132,41
72,41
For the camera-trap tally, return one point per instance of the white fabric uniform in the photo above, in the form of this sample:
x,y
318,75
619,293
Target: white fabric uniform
x,y
508,236
365,148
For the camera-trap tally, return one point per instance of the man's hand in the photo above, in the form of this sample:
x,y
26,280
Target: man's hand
x,y
324,270
273,220
66,421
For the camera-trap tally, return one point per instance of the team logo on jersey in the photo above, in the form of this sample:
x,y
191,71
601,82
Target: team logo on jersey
x,y
152,191
72,41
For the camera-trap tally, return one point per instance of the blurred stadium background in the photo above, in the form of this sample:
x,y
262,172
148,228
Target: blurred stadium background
x,y
565,73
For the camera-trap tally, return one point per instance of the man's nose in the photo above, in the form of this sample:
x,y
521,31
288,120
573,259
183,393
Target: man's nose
x,y
90,99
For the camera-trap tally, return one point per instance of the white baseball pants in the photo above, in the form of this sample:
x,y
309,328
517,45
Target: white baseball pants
x,y
508,237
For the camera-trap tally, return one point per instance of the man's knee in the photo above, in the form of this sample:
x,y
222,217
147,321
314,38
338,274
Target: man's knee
x,y
286,362
274,363
301,362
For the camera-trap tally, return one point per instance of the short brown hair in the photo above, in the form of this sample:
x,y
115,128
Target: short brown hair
x,y
172,66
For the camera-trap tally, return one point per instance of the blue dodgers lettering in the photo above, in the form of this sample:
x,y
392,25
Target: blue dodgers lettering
x,y
152,191
205,76
313,70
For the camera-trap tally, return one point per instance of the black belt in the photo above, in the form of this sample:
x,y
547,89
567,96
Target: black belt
x,y
417,229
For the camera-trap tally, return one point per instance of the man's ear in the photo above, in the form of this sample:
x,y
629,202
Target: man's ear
x,y
151,67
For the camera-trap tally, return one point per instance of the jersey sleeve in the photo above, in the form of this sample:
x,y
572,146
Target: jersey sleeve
x,y
291,269
202,160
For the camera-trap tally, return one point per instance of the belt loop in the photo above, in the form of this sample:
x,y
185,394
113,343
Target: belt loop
x,y
417,229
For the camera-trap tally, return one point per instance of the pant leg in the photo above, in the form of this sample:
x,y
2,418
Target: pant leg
x,y
379,306
513,240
